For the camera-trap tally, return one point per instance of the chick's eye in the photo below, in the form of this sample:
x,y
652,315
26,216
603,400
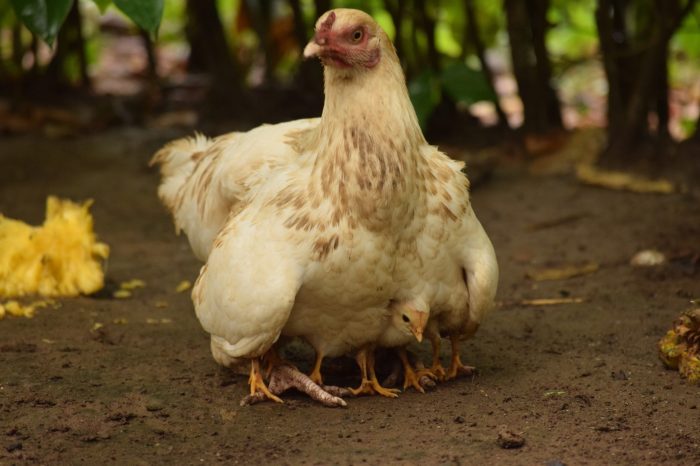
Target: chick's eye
x,y
357,35
405,318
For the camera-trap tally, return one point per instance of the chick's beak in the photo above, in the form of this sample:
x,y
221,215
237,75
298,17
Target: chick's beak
x,y
418,333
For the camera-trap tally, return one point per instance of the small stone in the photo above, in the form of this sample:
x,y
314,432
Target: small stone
x,y
13,446
154,405
648,258
460,420
508,439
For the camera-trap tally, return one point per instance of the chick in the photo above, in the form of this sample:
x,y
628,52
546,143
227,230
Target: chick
x,y
60,258
407,321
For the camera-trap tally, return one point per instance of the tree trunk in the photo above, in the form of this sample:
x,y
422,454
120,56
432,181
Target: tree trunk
x,y
17,48
151,59
262,17
70,42
696,133
475,38
397,10
526,31
635,91
546,92
209,52
428,25
321,7
300,32
308,76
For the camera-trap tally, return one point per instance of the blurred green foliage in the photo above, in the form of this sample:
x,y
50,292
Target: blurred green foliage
x,y
462,84
572,38
45,17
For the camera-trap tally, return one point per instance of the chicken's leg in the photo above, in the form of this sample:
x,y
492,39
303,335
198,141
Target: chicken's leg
x,y
316,372
257,384
436,370
370,385
410,378
285,376
282,376
456,366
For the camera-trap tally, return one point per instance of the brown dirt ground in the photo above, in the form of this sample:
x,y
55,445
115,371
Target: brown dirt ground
x,y
582,383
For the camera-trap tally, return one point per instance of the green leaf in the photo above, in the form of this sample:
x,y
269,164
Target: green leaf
x,y
145,13
466,85
102,4
424,91
43,17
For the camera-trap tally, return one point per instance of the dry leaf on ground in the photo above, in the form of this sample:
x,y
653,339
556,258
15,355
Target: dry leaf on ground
x,y
562,273
622,181
549,301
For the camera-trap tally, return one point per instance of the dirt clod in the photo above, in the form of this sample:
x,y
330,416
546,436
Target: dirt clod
x,y
13,447
508,439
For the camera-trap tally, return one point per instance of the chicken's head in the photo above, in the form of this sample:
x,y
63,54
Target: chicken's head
x,y
347,39
410,317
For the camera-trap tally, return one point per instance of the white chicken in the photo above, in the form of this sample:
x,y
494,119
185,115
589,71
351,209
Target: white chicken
x,y
311,228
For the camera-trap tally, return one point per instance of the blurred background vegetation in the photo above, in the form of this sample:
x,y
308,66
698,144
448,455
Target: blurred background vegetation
x,y
526,69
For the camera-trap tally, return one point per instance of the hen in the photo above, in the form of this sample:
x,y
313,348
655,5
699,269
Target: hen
x,y
311,228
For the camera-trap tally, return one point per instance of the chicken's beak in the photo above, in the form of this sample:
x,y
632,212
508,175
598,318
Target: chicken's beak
x,y
312,49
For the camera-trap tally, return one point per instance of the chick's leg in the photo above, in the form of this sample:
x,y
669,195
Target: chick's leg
x,y
410,378
456,366
370,385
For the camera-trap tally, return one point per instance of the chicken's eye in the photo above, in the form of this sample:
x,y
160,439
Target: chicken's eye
x,y
357,35
405,318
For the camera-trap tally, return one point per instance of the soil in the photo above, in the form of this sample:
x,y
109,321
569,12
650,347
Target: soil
x,y
571,384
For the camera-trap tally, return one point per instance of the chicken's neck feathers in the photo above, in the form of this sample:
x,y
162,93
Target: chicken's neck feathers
x,y
367,148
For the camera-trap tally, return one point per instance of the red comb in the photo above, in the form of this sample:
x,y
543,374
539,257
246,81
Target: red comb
x,y
328,23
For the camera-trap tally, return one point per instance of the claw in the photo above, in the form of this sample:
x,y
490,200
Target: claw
x,y
456,366
257,384
427,373
316,372
410,377
370,385
438,372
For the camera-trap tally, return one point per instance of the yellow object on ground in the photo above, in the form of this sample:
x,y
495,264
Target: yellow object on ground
x,y
60,258
589,174
17,309
122,294
680,347
132,284
184,285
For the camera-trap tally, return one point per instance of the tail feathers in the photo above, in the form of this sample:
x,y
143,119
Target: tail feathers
x,y
219,348
177,161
